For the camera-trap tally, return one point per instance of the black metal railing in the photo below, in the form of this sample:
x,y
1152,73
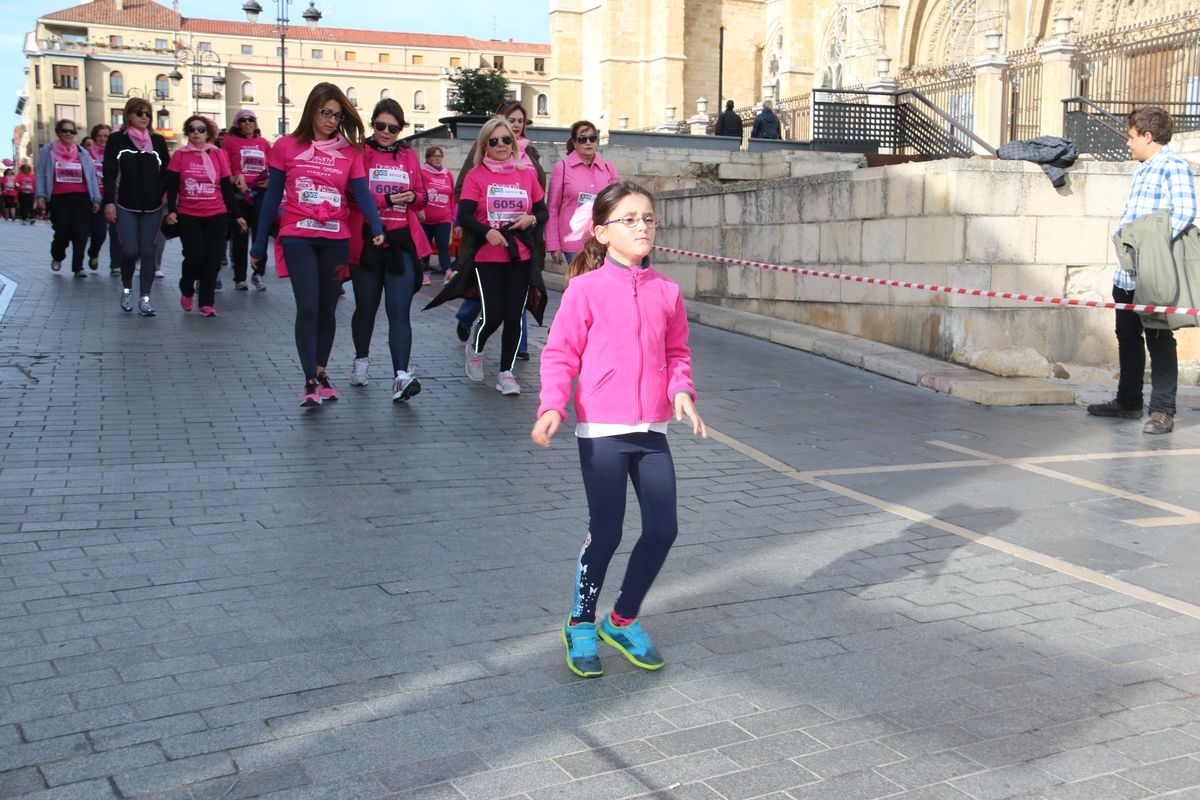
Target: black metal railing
x,y
1098,126
906,123
1156,59
1022,80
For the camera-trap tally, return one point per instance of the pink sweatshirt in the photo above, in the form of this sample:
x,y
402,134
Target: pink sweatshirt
x,y
624,333
573,187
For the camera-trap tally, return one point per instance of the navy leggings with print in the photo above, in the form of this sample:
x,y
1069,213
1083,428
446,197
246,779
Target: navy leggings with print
x,y
608,464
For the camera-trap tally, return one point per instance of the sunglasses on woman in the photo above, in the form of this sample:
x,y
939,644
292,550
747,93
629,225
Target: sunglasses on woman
x,y
247,119
197,129
386,126
141,112
495,140
68,131
327,114
591,137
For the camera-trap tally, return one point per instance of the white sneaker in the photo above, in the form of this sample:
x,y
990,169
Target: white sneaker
x,y
257,282
405,386
158,273
240,286
506,384
358,371
474,365
56,265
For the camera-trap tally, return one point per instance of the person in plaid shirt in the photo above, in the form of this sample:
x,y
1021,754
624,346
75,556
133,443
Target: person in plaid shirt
x,y
1163,181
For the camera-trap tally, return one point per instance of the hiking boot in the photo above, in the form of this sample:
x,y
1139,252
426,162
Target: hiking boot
x,y
1159,422
1112,408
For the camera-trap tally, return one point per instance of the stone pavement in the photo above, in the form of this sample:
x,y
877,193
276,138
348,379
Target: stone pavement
x,y
207,593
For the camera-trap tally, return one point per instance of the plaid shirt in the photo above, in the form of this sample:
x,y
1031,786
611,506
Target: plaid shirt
x,y
1162,181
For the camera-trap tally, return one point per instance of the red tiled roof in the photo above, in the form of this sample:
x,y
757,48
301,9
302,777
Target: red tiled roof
x,y
148,14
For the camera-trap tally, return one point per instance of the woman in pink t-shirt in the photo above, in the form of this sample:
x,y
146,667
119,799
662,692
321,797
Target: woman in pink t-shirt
x,y
438,216
248,154
201,201
502,203
102,229
26,188
8,189
320,164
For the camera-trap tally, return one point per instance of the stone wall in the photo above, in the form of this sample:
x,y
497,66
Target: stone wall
x,y
995,225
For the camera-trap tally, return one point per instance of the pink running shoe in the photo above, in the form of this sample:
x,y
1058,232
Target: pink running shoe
x,y
208,311
185,303
326,388
312,395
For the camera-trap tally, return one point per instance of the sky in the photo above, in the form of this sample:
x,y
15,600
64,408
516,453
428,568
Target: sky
x,y
522,20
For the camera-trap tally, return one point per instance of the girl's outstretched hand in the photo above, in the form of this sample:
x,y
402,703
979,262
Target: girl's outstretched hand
x,y
545,428
684,406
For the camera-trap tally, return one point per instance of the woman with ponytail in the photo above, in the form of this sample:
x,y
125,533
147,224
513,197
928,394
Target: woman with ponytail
x,y
621,338
201,200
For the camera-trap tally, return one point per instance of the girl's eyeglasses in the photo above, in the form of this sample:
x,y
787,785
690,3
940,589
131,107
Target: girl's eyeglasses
x,y
327,114
632,221
384,126
197,129
495,140
591,137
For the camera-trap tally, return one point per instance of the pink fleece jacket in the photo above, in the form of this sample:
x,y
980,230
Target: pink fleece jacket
x,y
624,334
573,187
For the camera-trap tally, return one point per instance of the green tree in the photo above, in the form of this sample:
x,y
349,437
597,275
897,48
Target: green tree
x,y
477,91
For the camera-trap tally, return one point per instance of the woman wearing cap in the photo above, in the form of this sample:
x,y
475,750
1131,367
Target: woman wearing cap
x,y
248,155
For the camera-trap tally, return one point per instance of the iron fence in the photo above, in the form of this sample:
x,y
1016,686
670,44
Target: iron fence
x,y
1155,63
1022,80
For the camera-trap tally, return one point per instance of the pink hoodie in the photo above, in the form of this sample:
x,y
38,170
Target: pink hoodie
x,y
624,333
573,187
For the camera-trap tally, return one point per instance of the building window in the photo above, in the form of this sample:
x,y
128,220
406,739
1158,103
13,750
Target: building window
x,y
282,94
351,55
455,61
385,58
162,86
116,41
164,120
247,49
385,94
316,54
539,65
418,59
116,82
247,92
205,88
204,47
66,112
65,77
543,105
281,52
498,62
161,44
418,100
116,117
418,128
352,96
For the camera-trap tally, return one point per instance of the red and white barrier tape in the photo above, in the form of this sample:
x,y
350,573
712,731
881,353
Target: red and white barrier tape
x,y
932,287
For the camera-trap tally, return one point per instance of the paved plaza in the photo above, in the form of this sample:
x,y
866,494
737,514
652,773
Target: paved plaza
x,y
877,591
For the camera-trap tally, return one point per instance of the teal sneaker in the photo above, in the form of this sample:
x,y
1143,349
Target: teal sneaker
x,y
582,658
633,642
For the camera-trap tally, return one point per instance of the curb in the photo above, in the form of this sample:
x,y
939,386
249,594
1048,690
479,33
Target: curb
x,y
8,288
882,359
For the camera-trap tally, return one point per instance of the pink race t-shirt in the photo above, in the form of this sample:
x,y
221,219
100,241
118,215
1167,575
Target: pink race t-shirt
x,y
439,195
501,197
26,183
68,176
248,157
315,204
199,196
97,154
393,173
8,186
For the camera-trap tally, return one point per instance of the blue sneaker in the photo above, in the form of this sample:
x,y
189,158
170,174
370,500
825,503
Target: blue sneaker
x,y
633,642
581,649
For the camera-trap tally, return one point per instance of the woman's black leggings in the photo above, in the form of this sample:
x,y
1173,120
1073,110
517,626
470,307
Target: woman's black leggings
x,y
203,240
312,268
608,463
71,218
241,241
103,229
25,206
396,282
503,286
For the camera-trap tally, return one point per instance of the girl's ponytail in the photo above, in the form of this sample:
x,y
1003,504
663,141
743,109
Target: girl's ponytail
x,y
587,259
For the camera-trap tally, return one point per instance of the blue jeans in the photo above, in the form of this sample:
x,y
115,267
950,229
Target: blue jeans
x,y
439,236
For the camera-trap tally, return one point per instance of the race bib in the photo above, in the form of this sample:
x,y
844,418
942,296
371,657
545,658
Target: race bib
x,y
332,226
504,204
254,161
586,197
68,172
315,197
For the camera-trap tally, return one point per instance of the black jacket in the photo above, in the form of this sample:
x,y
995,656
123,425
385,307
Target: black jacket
x,y
766,126
729,124
133,179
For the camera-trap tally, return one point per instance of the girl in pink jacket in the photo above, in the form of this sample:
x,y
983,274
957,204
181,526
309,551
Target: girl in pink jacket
x,y
622,331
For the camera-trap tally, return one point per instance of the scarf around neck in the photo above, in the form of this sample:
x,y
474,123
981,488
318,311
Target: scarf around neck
x,y
499,166
433,169
329,146
394,147
140,138
66,155
210,169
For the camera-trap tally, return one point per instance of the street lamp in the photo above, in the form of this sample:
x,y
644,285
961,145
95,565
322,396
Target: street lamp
x,y
311,16
149,96
197,60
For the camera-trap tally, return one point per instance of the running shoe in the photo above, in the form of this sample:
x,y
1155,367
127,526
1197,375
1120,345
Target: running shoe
x,y
114,270
327,391
240,286
358,371
158,273
582,658
144,307
447,275
80,274
426,280
185,302
523,355
93,264
207,311
506,384
312,394
474,365
258,283
55,265
218,283
633,642
126,300
463,332
404,387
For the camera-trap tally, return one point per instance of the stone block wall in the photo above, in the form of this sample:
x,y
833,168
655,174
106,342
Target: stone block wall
x,y
993,225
